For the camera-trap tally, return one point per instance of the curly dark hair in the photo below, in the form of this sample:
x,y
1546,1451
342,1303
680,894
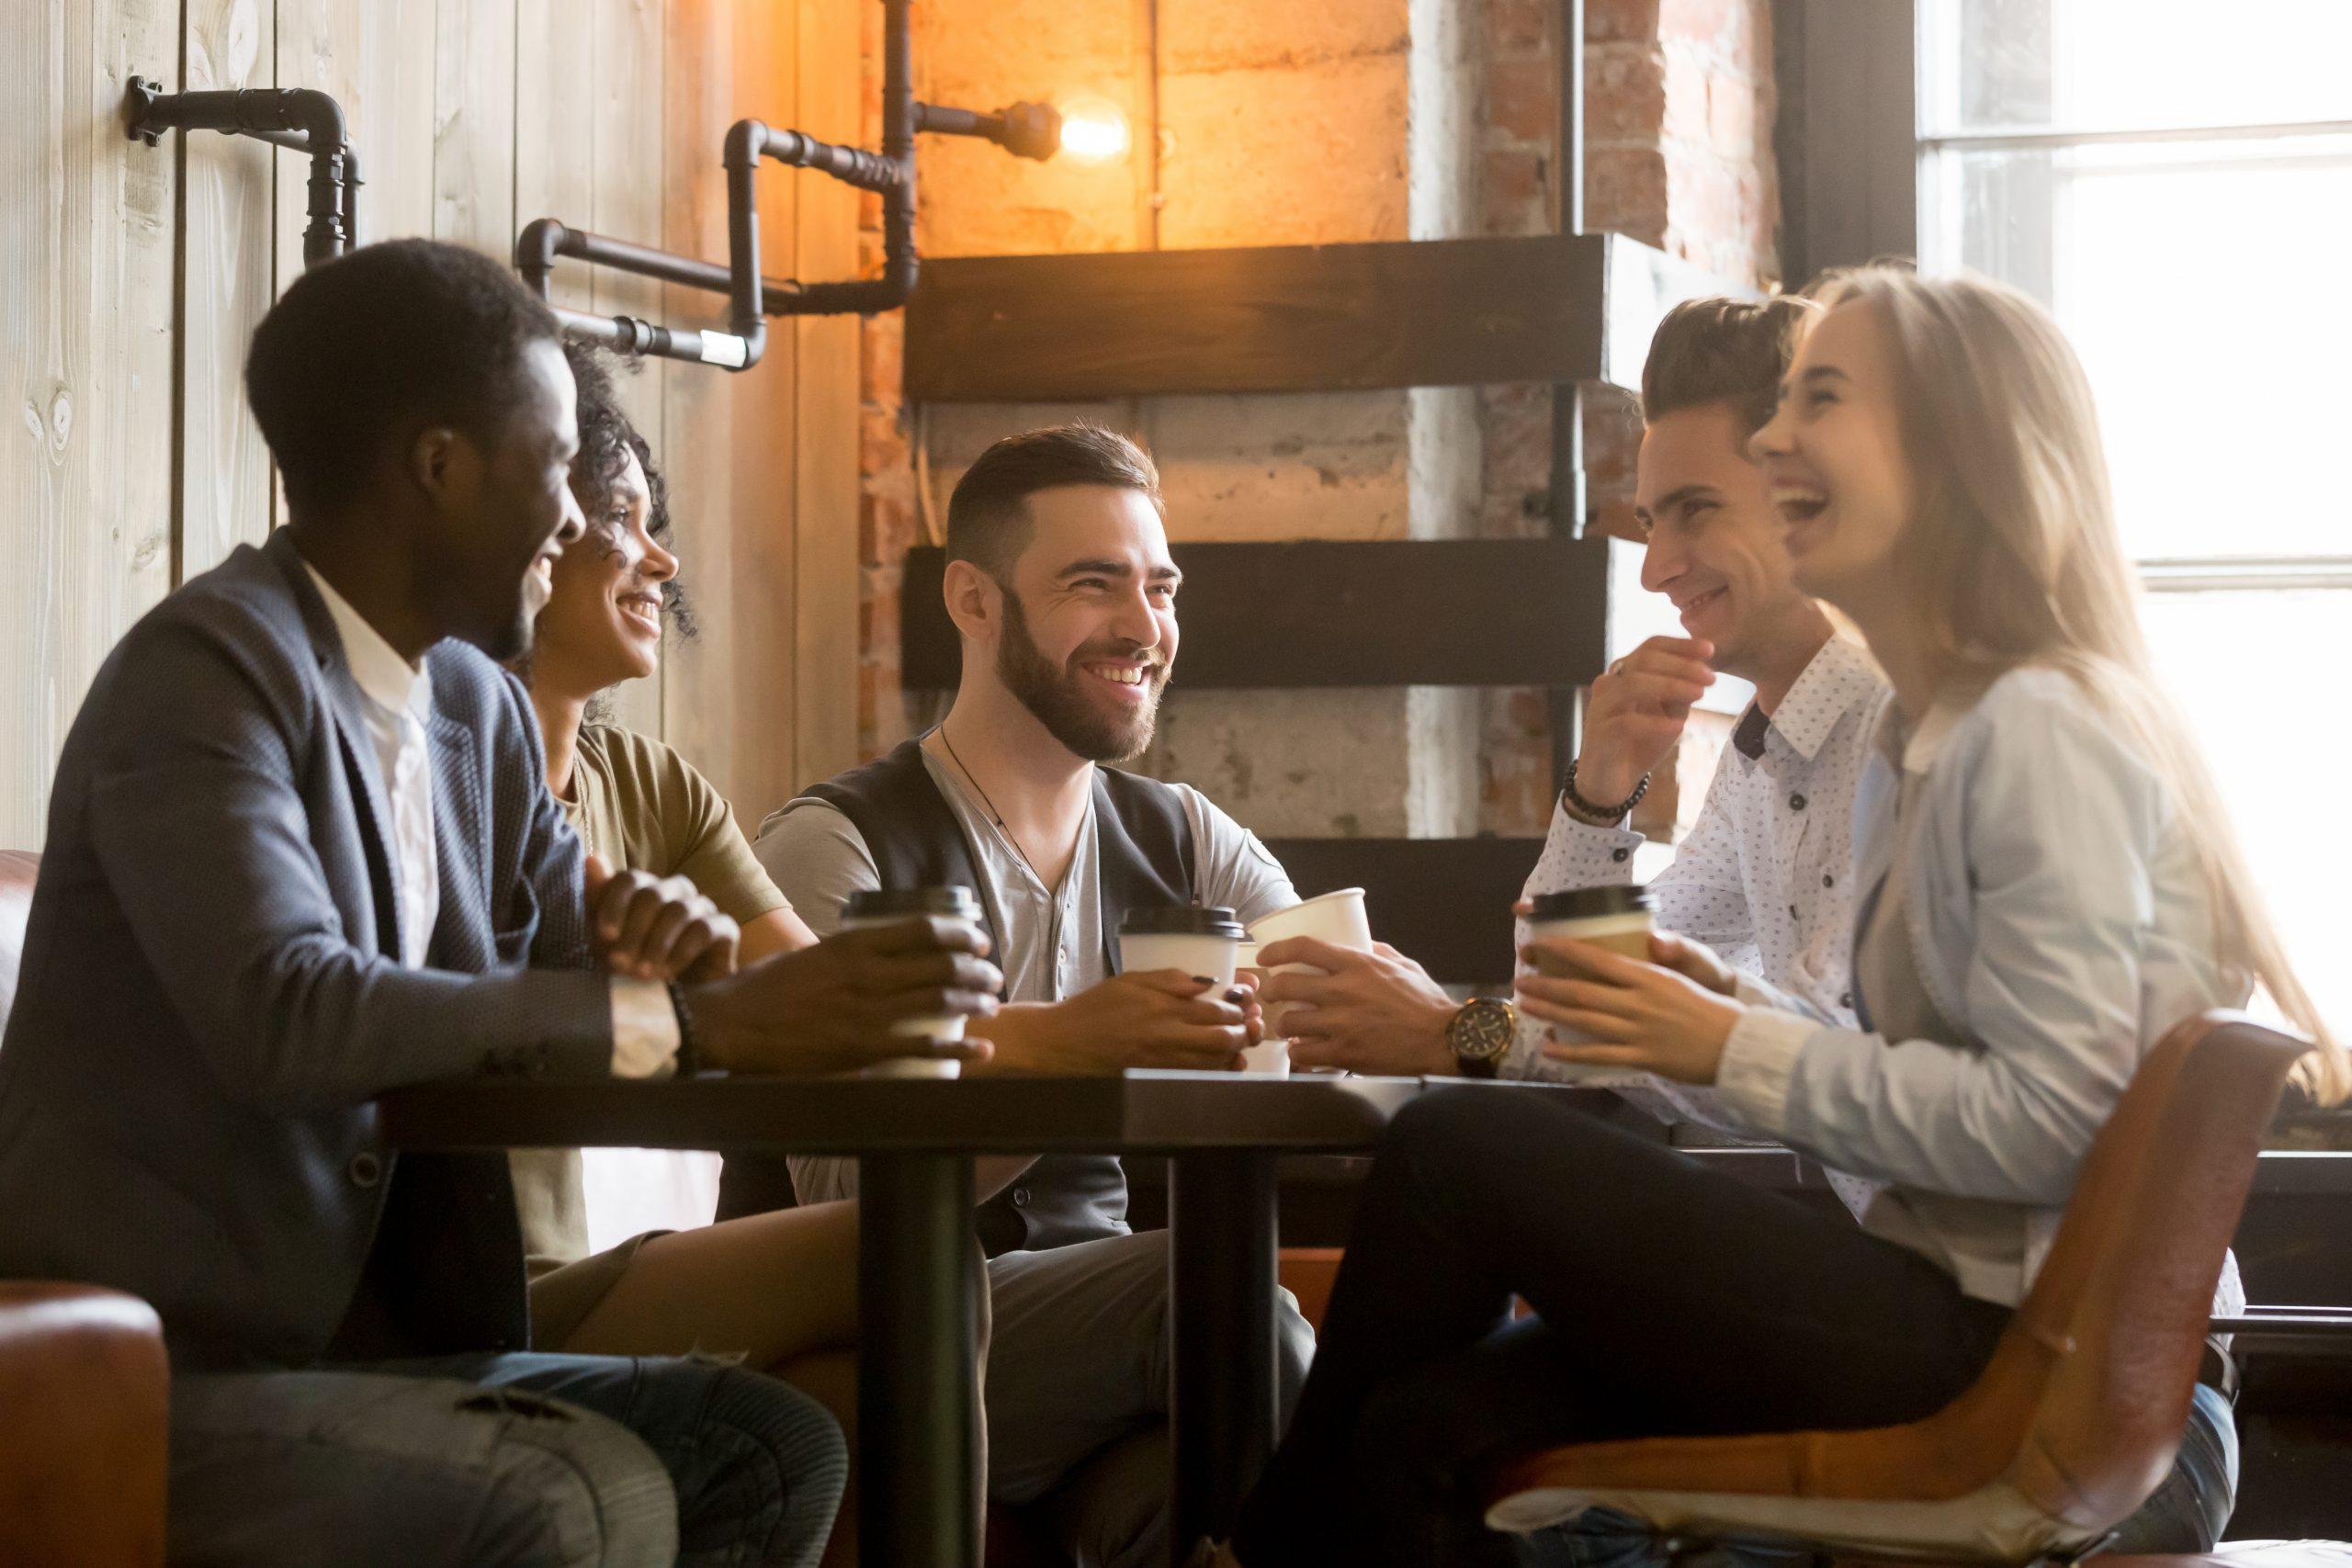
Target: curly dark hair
x,y
608,438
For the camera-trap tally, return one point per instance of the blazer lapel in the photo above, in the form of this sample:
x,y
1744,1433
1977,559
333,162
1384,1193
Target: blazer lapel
x,y
349,708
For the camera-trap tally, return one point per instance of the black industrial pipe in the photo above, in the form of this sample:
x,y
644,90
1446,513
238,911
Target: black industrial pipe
x,y
299,118
1028,130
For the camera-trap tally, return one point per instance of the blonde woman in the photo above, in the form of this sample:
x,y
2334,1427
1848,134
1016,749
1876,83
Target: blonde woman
x,y
2048,884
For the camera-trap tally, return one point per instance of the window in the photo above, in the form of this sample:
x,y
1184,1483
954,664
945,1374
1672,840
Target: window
x,y
2173,180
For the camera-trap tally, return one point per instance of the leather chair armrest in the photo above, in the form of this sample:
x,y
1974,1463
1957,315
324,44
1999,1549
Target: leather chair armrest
x,y
84,1410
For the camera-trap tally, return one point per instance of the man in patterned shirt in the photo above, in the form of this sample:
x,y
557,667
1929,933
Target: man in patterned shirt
x,y
1764,876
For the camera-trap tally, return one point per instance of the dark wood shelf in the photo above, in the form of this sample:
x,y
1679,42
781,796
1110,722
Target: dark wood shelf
x,y
1291,317
1370,612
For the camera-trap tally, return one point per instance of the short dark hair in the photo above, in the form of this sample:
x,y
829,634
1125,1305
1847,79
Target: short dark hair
x,y
1724,351
407,331
607,436
987,517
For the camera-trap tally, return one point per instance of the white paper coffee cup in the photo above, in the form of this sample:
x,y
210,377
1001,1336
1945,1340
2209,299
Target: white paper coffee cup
x,y
1336,918
888,907
1272,1058
1190,940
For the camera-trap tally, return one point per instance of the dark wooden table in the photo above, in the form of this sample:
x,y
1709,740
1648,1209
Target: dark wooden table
x,y
917,1283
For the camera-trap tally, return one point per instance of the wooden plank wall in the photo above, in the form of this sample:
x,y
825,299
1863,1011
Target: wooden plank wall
x,y
130,461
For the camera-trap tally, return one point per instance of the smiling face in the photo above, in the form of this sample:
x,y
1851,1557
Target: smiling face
x,y
1835,457
1087,636
603,623
1714,538
505,513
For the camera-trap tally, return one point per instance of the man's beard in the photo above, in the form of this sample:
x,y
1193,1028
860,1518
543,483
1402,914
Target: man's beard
x,y
1055,699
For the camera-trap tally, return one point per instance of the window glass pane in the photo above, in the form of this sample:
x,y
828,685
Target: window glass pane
x,y
2121,64
2202,284
2252,670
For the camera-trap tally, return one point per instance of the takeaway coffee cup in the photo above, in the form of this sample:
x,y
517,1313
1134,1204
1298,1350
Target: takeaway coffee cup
x,y
1201,941
888,906
1336,918
1187,938
1616,918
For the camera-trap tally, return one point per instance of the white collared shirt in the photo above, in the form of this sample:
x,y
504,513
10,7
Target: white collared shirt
x,y
1766,877
397,697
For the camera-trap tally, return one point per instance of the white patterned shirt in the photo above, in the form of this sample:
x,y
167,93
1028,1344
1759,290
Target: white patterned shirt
x,y
1766,877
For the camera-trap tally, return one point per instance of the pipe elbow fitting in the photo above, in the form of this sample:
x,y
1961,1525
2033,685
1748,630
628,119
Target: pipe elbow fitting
x,y
536,249
318,115
746,141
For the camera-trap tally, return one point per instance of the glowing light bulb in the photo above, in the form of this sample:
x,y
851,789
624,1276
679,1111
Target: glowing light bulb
x,y
1093,130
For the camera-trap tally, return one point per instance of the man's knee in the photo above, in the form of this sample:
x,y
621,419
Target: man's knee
x,y
772,1467
373,1469
568,1488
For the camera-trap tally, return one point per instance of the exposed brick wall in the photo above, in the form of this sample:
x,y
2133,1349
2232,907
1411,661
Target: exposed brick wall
x,y
1283,127
1678,103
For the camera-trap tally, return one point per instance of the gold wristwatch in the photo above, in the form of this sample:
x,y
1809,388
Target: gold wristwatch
x,y
1479,1034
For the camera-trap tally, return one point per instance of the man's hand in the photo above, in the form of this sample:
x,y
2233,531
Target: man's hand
x,y
1636,712
1694,960
1161,1018
831,1008
1638,1016
651,928
1369,1013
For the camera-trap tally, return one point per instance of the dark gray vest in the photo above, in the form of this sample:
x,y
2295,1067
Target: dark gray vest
x,y
1144,846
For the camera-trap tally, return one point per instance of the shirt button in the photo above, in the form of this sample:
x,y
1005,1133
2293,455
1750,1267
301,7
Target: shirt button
x,y
1619,855
1021,1197
1796,802
1828,880
1793,912
1845,1000
366,1170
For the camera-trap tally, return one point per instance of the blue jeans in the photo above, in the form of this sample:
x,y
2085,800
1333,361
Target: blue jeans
x,y
522,1461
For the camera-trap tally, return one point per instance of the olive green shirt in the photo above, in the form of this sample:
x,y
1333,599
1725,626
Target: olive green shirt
x,y
638,805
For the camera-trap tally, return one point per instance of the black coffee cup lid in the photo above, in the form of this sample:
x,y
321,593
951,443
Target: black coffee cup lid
x,y
894,903
1181,919
1589,903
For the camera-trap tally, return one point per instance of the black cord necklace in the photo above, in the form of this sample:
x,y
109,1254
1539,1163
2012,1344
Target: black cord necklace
x,y
994,815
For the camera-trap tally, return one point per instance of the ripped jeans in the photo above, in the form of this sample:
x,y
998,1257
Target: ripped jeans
x,y
518,1460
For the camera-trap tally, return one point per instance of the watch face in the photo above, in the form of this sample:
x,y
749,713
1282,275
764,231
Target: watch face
x,y
1483,1028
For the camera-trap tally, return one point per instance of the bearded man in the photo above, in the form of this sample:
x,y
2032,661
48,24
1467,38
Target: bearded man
x,y
1061,587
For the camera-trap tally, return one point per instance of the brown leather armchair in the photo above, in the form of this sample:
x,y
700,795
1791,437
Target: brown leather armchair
x,y
82,1383
2075,1420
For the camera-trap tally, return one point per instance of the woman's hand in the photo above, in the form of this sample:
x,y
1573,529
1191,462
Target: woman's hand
x,y
1640,1017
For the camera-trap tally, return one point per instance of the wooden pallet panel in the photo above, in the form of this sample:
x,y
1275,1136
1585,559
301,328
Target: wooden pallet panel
x,y
1352,612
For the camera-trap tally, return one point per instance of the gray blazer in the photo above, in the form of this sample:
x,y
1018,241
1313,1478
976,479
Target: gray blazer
x,y
207,1007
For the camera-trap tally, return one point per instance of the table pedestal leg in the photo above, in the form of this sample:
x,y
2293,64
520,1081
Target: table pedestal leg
x,y
917,1413
1224,1409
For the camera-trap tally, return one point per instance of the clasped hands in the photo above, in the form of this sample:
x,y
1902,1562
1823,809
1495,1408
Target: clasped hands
x,y
840,1005
1671,1016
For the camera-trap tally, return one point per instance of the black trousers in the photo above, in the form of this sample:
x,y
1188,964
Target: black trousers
x,y
1670,1300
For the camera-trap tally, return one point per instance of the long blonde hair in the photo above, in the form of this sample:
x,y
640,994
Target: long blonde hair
x,y
2014,559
